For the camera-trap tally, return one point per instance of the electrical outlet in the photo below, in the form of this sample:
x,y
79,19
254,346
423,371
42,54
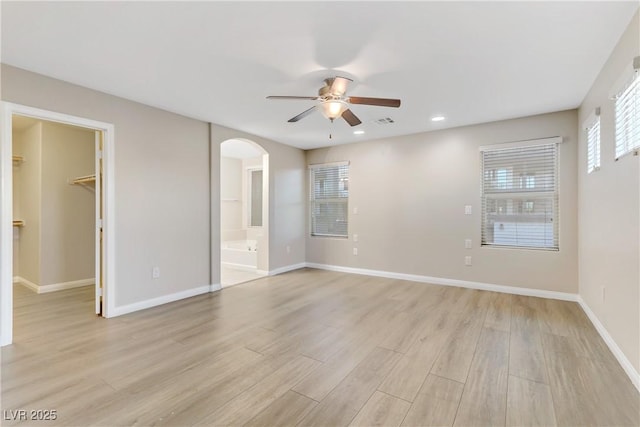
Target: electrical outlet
x,y
355,210
355,251
467,260
467,243
355,237
155,272
468,210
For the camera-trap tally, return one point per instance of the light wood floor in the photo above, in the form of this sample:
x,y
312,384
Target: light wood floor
x,y
316,348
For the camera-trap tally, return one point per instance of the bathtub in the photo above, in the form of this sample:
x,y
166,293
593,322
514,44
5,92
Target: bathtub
x,y
240,254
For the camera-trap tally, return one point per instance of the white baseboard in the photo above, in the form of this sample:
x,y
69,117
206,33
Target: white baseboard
x,y
634,376
164,299
287,268
55,286
241,267
564,296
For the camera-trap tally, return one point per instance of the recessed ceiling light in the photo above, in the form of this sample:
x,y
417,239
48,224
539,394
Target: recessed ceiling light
x,y
358,132
437,118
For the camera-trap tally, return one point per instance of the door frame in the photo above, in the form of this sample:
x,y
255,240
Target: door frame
x,y
7,110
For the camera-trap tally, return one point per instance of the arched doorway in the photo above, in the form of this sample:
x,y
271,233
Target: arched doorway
x,y
244,211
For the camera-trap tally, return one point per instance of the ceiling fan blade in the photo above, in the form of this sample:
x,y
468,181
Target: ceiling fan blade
x,y
350,118
382,102
302,115
339,85
312,98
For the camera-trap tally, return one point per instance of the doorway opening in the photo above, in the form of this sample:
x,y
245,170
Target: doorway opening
x,y
244,212
56,217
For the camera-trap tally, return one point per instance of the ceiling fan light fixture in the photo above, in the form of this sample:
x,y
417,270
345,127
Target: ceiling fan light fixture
x,y
333,109
437,118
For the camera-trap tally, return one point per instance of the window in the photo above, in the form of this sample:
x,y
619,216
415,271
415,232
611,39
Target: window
x,y
329,199
593,142
520,195
628,115
255,198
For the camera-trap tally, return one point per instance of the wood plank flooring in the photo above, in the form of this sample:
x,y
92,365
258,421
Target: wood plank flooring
x,y
314,348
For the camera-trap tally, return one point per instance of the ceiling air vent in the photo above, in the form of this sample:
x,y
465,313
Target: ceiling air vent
x,y
384,121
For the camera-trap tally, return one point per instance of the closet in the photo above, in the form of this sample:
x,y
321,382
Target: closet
x,y
53,205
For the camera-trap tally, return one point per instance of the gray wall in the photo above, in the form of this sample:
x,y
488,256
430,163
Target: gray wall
x,y
27,190
67,242
609,235
287,200
411,191
161,184
167,205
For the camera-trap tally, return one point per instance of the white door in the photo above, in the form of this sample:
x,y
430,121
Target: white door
x,y
99,215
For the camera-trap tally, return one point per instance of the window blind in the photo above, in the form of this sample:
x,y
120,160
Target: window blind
x,y
520,197
628,118
593,146
329,199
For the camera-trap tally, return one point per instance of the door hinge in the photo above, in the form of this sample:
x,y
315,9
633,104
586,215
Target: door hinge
x,y
99,292
99,223
99,154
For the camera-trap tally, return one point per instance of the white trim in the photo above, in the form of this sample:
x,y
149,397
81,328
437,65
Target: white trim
x,y
7,110
329,164
43,289
164,299
634,376
215,287
242,267
541,293
518,144
28,284
287,268
591,120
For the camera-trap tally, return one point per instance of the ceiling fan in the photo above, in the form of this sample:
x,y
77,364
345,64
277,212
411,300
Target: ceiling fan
x,y
334,102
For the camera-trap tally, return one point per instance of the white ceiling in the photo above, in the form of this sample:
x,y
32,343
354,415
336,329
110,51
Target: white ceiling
x,y
217,61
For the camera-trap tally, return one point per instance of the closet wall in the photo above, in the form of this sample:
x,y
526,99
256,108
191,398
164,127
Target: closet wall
x,y
56,245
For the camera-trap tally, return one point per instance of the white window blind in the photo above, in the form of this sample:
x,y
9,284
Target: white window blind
x,y
329,199
628,117
520,197
593,146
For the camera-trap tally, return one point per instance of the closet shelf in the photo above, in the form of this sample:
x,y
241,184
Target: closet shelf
x,y
84,179
18,223
17,159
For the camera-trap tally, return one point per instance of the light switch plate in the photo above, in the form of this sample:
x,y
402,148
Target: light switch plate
x,y
468,210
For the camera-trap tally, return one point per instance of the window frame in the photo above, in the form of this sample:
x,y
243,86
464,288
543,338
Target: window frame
x,y
313,168
527,195
628,85
593,146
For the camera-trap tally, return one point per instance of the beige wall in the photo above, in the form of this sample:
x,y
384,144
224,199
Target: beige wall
x,y
411,191
68,211
231,198
167,204
609,235
56,245
161,184
287,196
27,198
